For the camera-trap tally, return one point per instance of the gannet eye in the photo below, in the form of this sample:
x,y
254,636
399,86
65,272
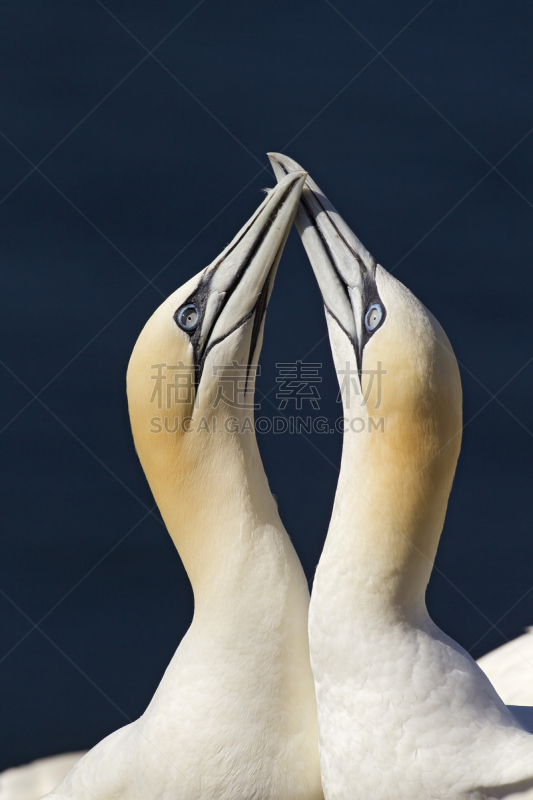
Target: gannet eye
x,y
373,317
187,317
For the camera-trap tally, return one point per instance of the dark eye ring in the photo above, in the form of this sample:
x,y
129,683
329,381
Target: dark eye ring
x,y
373,317
187,317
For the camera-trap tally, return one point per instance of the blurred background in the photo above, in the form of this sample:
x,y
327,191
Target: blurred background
x,y
132,141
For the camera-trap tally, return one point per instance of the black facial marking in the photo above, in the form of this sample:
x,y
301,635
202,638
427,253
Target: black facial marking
x,y
260,311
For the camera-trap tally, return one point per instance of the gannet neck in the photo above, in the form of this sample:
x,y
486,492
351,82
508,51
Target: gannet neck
x,y
214,497
388,544
401,441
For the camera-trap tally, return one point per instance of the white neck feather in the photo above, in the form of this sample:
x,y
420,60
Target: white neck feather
x,y
226,527
396,473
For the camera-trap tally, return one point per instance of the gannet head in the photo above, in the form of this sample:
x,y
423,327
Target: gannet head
x,y
211,323
388,347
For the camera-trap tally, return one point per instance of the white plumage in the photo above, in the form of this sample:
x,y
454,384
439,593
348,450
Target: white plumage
x,y
404,712
31,781
510,670
234,717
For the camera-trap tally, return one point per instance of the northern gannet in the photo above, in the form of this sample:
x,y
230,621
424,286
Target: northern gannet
x,y
404,712
234,717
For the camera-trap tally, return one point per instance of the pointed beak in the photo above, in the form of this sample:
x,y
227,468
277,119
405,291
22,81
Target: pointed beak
x,y
238,284
342,265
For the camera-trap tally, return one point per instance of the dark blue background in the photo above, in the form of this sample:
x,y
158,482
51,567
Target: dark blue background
x,y
145,167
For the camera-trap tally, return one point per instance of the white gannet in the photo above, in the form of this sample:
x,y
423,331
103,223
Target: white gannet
x,y
31,781
404,712
234,717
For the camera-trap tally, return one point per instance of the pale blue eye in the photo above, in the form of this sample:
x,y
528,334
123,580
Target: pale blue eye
x,y
373,317
187,317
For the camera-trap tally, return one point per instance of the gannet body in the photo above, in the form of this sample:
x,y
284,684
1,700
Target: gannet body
x,y
404,712
31,781
234,717
510,670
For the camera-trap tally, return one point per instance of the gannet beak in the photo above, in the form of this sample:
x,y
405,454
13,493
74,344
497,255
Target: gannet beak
x,y
343,267
238,284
